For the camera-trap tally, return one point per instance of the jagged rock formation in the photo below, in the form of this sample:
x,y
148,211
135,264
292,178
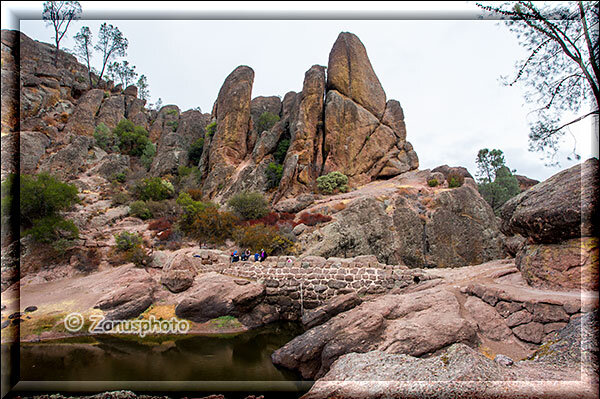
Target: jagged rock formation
x,y
404,221
558,218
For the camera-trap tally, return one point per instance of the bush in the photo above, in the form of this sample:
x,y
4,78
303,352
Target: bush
x,y
191,209
154,188
120,198
259,236
140,209
51,229
274,173
126,241
160,209
432,182
159,224
133,140
249,205
195,152
195,193
39,196
148,154
120,177
173,125
212,226
332,181
211,129
105,139
455,179
312,219
281,151
266,121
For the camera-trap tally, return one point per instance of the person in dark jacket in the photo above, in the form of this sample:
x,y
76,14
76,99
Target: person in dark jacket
x,y
235,257
263,255
256,257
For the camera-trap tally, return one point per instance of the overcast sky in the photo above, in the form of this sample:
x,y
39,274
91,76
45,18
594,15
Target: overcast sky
x,y
444,71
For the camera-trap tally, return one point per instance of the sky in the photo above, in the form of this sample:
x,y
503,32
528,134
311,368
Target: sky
x,y
437,59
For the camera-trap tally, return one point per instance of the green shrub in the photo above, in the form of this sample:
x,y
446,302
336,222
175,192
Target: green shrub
x,y
148,155
258,236
52,228
266,121
211,129
172,112
140,209
274,173
196,151
432,182
455,179
105,139
126,240
154,188
120,198
133,140
120,177
281,151
160,209
331,181
249,205
39,196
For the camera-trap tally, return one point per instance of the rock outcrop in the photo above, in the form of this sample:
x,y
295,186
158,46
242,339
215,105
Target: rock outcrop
x,y
558,217
415,225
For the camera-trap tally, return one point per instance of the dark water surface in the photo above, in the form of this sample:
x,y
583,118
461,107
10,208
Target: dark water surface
x,y
242,357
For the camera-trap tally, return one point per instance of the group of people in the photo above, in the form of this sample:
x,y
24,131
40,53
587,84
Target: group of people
x,y
258,257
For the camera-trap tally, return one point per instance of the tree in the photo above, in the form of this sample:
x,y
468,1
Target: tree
x,y
504,187
488,162
59,14
111,44
142,85
562,69
84,48
124,72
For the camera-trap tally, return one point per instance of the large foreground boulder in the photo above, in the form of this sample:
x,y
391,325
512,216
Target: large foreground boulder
x,y
558,218
415,324
214,295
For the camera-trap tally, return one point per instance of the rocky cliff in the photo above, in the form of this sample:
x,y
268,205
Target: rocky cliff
x,y
340,121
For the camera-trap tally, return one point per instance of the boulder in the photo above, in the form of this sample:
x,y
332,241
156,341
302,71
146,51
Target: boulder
x,y
559,208
350,73
229,145
525,182
259,106
569,265
214,295
490,323
457,228
133,294
32,146
111,165
446,170
131,90
177,280
67,162
414,324
393,117
112,111
295,204
334,306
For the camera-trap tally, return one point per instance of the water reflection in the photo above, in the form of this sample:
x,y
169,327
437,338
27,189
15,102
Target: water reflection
x,y
244,357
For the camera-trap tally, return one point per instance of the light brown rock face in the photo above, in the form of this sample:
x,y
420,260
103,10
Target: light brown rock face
x,y
82,120
303,162
350,73
571,264
166,122
229,144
